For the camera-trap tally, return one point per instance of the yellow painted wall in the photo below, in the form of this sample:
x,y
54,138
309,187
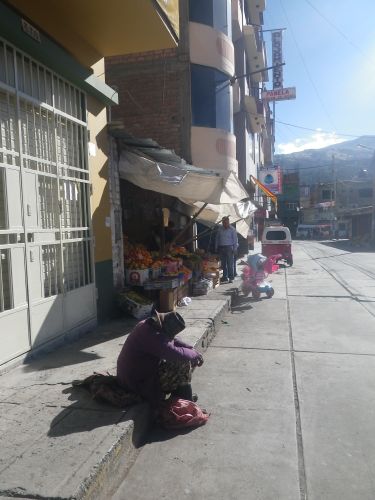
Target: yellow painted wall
x,y
100,201
89,29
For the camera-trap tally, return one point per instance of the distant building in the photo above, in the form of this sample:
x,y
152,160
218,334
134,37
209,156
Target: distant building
x,y
184,98
54,154
346,206
288,203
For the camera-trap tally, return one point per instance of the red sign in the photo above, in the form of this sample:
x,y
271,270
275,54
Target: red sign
x,y
279,94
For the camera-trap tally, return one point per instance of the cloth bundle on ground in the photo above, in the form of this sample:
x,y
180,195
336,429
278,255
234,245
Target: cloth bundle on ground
x,y
106,389
174,413
179,414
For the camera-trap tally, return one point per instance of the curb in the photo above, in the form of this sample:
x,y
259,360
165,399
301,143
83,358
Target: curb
x,y
105,478
108,474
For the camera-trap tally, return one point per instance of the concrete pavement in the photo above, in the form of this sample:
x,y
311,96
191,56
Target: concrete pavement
x,y
56,442
290,384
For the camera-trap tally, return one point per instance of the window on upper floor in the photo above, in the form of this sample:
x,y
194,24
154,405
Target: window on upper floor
x,y
327,194
211,98
215,13
365,193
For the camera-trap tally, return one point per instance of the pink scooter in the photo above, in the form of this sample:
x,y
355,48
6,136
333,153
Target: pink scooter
x,y
254,275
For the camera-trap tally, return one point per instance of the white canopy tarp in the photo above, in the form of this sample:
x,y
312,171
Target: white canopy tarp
x,y
190,184
212,214
193,186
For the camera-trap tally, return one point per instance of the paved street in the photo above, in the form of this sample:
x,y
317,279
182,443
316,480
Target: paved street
x,y
290,384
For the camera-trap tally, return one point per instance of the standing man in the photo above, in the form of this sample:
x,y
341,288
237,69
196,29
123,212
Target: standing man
x,y
226,243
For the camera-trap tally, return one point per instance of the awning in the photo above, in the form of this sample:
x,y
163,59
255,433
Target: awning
x,y
186,182
238,212
147,165
263,188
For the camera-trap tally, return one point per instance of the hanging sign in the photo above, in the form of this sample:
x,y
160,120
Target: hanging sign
x,y
279,94
271,178
277,58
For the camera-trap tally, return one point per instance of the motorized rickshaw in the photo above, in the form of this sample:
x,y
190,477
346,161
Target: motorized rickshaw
x,y
276,240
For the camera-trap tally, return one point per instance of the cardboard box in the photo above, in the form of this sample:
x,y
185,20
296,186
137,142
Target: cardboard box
x,y
139,311
136,276
168,300
161,284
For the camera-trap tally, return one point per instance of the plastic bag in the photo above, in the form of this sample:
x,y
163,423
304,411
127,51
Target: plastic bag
x,y
185,301
180,413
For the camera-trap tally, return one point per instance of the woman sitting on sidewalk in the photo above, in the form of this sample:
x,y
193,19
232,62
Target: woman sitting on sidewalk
x,y
153,363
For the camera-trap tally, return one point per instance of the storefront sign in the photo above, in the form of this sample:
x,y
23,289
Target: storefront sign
x,y
271,178
279,94
277,58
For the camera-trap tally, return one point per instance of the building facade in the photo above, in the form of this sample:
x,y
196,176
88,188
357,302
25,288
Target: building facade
x,y
55,212
187,98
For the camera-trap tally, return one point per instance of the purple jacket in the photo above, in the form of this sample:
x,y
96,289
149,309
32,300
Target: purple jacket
x,y
137,364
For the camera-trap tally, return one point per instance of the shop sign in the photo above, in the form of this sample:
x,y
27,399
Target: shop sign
x,y
277,59
271,177
279,94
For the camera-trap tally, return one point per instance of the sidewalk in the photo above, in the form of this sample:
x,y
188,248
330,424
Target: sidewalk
x,y
57,443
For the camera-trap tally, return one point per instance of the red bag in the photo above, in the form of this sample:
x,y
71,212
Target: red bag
x,y
180,413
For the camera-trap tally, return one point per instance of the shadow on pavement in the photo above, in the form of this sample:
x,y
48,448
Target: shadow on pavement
x,y
158,434
74,358
85,414
348,246
240,304
73,351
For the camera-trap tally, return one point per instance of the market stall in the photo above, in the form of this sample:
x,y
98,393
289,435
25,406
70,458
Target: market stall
x,y
163,198
165,281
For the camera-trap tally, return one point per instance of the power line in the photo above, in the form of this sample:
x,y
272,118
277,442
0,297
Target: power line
x,y
336,28
313,167
305,168
316,130
322,131
305,66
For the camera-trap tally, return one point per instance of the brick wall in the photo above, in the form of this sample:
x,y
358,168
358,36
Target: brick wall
x,y
152,87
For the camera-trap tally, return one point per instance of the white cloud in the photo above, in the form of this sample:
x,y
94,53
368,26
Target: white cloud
x,y
316,140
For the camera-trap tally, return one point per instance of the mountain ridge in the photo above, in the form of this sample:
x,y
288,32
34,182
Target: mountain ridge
x,y
348,159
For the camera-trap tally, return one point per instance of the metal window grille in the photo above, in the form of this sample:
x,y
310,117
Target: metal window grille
x,y
77,264
8,129
48,202
52,272
3,210
53,143
5,281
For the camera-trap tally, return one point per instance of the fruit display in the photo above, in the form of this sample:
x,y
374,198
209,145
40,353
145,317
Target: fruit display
x,y
210,265
179,251
171,265
186,273
157,264
137,257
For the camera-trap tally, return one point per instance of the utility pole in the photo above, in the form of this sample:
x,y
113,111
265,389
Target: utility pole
x,y
373,192
373,199
334,196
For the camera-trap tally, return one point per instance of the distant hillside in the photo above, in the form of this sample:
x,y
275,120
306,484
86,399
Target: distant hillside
x,y
315,165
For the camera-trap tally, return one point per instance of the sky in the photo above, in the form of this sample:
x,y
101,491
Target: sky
x,y
329,55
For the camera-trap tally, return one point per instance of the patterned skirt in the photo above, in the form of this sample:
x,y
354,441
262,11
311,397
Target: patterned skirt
x,y
173,374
